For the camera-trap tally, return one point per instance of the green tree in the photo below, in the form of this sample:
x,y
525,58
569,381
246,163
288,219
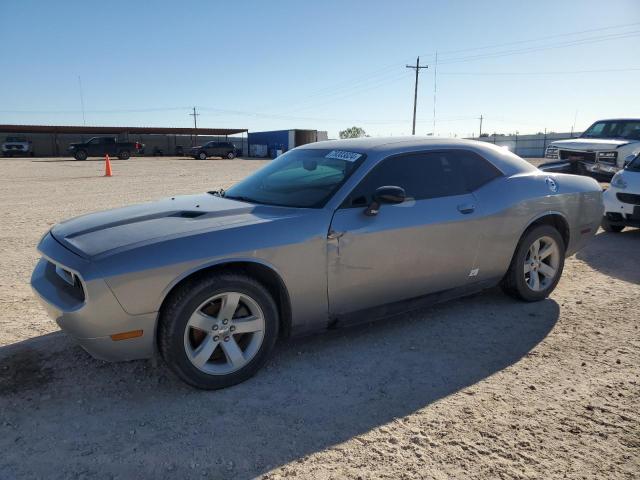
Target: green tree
x,y
353,132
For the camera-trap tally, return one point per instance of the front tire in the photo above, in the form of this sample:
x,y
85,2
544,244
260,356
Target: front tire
x,y
536,266
80,155
217,331
202,155
124,155
608,227
231,155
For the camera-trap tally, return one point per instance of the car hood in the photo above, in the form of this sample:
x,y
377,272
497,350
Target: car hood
x,y
113,230
595,144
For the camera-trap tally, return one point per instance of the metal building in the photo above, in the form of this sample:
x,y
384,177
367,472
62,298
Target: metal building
x,y
53,140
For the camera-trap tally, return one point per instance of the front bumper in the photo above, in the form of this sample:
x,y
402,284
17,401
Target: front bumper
x,y
93,315
620,213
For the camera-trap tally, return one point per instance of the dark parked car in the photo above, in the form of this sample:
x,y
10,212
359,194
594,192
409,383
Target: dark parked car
x,y
214,149
101,146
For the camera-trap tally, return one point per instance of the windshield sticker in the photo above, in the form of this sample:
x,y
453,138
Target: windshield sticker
x,y
343,155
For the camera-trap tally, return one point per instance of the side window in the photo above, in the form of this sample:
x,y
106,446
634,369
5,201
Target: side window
x,y
475,170
426,175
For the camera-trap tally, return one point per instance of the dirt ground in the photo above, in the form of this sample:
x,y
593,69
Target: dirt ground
x,y
483,387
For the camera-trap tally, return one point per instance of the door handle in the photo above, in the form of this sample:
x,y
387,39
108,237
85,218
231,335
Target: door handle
x,y
333,235
466,208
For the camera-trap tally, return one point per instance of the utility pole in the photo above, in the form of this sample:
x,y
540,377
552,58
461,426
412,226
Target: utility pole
x,y
415,93
435,81
480,126
84,122
195,125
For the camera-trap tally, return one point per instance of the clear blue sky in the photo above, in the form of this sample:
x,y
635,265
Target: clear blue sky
x,y
323,65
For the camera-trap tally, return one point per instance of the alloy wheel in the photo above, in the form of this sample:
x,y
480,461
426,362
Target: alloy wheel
x,y
224,333
541,263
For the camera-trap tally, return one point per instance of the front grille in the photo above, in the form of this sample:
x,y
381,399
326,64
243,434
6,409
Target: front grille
x,y
589,157
65,282
632,198
609,160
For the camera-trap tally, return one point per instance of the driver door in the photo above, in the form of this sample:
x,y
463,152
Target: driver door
x,y
426,244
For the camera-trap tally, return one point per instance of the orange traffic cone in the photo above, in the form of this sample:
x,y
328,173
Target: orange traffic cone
x,y
107,166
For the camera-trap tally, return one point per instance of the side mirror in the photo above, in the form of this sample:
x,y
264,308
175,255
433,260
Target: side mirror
x,y
386,194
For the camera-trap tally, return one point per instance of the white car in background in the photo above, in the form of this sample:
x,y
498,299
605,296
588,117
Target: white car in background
x,y
622,199
603,149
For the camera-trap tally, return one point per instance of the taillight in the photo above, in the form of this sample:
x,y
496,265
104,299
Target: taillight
x,y
138,145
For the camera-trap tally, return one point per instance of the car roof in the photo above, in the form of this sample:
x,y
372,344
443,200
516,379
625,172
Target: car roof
x,y
506,161
618,120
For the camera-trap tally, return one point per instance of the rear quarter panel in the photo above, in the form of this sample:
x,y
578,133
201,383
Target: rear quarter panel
x,y
511,204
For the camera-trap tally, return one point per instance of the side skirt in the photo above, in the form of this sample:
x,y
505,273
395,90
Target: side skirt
x,y
404,306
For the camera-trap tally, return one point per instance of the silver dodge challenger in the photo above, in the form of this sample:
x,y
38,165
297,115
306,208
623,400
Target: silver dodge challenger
x,y
327,234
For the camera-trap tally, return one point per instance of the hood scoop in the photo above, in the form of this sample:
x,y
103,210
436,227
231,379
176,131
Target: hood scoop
x,y
187,214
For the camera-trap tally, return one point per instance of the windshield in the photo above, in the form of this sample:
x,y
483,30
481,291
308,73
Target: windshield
x,y
15,139
634,166
304,178
626,129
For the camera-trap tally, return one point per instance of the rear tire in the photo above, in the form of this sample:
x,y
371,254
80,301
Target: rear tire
x,y
80,155
124,155
534,271
608,227
196,325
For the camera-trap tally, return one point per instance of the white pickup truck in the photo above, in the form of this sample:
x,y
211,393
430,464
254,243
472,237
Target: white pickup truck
x,y
603,149
17,146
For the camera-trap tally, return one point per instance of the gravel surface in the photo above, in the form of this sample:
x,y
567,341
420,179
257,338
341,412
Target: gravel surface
x,y
483,387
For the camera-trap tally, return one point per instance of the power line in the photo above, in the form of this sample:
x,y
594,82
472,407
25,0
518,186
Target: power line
x,y
558,72
572,43
547,37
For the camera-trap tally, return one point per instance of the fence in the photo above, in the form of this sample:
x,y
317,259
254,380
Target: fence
x,y
532,146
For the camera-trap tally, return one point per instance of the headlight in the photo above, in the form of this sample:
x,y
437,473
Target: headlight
x,y
618,181
607,154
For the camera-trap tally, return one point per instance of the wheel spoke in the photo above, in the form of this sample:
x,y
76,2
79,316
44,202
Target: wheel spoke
x,y
547,271
546,251
527,267
247,324
201,321
233,353
534,281
229,305
204,351
535,248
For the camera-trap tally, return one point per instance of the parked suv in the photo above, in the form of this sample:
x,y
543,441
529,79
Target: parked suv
x,y
214,149
17,146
